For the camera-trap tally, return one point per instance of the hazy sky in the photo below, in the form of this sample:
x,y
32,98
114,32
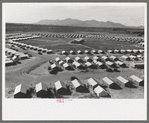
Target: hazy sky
x,y
127,14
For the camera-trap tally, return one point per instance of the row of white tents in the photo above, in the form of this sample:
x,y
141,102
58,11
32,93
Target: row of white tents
x,y
21,37
61,35
12,34
31,47
122,51
106,37
12,56
41,88
86,62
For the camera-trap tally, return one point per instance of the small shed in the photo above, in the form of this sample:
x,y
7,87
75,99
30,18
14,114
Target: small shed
x,y
125,57
60,87
57,59
64,52
105,58
100,92
122,64
67,66
137,80
94,51
87,52
100,51
72,52
114,58
78,85
92,83
79,52
69,60
86,58
77,65
111,64
20,91
41,90
78,59
96,58
123,82
109,83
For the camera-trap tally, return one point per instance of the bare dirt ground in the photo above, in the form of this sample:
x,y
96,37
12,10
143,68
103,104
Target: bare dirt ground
x,y
34,70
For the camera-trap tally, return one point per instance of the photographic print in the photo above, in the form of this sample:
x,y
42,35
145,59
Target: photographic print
x,y
67,52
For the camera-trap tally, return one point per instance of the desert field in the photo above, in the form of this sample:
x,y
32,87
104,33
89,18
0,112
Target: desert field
x,y
36,68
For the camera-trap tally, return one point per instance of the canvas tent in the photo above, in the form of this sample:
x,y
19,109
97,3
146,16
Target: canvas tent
x,y
69,60
114,58
96,58
125,57
60,87
41,90
100,51
86,58
71,52
86,52
100,92
137,80
78,85
77,65
64,52
105,58
123,82
67,66
122,64
79,52
109,83
20,91
92,83
78,59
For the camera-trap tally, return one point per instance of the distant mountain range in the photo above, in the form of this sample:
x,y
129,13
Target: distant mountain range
x,y
87,23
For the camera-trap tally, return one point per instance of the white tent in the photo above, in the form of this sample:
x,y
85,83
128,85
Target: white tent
x,y
78,85
77,65
125,57
86,58
96,58
109,63
60,87
100,51
86,52
105,58
67,66
68,59
79,52
100,92
57,59
20,91
61,62
137,80
109,82
41,90
114,58
78,59
123,82
92,82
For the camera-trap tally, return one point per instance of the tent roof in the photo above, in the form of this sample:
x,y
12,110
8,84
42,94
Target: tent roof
x,y
136,78
76,83
92,82
41,86
20,88
122,79
65,65
98,89
60,84
109,63
107,80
